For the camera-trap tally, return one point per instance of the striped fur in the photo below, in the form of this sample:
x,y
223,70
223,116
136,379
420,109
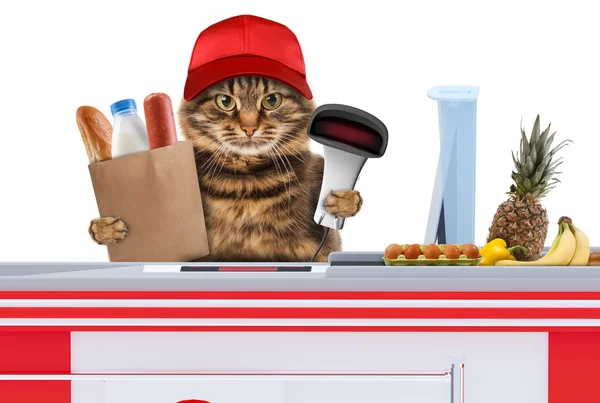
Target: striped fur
x,y
260,192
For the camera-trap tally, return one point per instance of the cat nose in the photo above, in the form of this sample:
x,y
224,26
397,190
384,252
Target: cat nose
x,y
249,129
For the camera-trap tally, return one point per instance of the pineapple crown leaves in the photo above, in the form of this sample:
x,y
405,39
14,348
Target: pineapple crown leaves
x,y
535,163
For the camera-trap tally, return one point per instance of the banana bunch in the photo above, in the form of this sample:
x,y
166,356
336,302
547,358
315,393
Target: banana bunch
x,y
571,247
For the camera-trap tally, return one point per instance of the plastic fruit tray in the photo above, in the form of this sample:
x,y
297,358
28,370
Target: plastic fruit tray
x,y
463,260
422,261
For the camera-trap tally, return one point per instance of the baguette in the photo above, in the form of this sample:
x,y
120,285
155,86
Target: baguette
x,y
96,132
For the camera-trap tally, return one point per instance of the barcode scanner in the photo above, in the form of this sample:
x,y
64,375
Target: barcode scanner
x,y
349,136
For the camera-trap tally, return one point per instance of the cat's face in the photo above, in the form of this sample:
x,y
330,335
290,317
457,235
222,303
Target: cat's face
x,y
248,116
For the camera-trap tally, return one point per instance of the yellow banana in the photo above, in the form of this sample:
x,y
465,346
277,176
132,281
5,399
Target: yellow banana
x,y
582,251
560,254
554,245
556,241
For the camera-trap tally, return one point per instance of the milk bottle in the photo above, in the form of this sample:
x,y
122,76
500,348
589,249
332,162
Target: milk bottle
x,y
129,131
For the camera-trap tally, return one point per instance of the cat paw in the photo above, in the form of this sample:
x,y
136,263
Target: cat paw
x,y
107,230
344,203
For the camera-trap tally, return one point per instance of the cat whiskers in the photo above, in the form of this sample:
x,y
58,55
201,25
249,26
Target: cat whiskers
x,y
208,161
288,146
219,162
213,162
298,155
277,167
294,138
282,153
224,159
291,175
295,176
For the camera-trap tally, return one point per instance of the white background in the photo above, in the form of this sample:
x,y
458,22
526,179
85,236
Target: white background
x,y
529,57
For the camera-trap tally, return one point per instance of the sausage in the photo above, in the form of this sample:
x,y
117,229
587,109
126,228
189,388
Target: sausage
x,y
160,122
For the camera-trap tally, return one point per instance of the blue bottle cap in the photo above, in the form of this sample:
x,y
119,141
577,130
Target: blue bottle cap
x,y
123,105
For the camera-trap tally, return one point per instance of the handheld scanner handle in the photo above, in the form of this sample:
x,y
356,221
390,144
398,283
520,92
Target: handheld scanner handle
x,y
341,172
349,136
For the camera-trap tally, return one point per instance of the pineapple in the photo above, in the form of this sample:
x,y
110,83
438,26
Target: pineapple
x,y
521,219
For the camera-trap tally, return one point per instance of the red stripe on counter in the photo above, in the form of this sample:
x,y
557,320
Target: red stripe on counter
x,y
296,295
573,370
35,352
254,374
35,391
308,329
234,268
298,313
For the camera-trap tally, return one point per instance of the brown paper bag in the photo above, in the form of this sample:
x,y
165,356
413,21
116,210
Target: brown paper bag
x,y
156,193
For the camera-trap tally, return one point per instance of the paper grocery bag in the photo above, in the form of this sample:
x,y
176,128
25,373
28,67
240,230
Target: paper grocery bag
x,y
156,193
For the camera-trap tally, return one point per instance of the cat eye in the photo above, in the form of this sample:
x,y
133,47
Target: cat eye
x,y
225,102
272,101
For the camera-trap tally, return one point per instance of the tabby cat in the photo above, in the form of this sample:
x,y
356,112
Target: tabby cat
x,y
259,180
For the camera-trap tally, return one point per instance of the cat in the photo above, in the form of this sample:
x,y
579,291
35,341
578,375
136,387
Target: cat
x,y
259,180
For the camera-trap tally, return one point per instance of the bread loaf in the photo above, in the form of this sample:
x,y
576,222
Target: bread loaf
x,y
96,132
594,259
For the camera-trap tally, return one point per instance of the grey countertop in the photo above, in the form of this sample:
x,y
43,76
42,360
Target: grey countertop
x,y
353,276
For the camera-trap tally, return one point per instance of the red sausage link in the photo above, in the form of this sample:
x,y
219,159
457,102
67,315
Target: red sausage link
x,y
160,122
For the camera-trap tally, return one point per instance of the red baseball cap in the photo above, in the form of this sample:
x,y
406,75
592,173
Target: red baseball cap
x,y
246,45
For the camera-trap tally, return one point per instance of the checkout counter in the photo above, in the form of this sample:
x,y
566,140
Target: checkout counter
x,y
351,330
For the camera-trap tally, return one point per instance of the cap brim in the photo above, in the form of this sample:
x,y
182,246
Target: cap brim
x,y
206,76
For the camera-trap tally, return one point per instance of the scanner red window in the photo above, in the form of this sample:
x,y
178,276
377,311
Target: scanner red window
x,y
349,133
